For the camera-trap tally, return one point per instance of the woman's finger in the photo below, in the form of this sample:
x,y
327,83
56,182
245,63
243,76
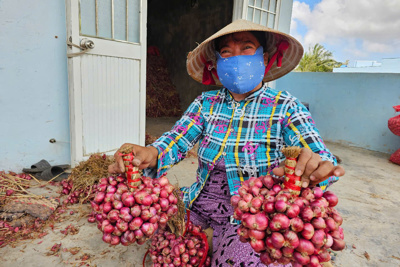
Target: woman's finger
x,y
118,166
324,170
119,161
312,165
304,157
137,160
114,168
278,171
338,171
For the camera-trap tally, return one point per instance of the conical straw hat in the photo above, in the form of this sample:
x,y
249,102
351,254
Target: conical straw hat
x,y
205,52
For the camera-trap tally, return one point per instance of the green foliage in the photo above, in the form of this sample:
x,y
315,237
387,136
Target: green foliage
x,y
317,59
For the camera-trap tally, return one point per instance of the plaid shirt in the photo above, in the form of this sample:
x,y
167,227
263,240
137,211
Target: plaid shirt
x,y
248,135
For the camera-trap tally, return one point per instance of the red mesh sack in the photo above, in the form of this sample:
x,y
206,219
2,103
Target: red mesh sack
x,y
395,157
394,123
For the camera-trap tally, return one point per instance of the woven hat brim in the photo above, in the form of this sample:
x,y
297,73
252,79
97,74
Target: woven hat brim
x,y
206,51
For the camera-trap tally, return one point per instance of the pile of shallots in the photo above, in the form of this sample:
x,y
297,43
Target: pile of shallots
x,y
74,196
288,228
127,217
188,250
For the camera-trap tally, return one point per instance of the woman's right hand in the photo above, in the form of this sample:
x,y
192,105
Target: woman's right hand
x,y
145,157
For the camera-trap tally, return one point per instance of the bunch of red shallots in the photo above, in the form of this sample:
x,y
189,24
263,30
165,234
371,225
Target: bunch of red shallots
x,y
285,227
126,216
189,250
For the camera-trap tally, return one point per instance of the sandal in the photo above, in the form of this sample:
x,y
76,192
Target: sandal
x,y
50,173
38,167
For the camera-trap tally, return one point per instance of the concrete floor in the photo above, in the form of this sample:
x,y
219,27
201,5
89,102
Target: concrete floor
x,y
369,196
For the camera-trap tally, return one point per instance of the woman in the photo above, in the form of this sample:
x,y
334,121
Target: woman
x,y
241,129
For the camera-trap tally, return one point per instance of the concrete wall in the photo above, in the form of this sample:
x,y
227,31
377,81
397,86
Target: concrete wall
x,y
33,83
176,27
349,108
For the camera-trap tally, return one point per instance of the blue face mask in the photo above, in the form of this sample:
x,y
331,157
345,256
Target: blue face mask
x,y
241,74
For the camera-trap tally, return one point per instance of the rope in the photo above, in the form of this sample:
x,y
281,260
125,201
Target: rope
x,y
83,50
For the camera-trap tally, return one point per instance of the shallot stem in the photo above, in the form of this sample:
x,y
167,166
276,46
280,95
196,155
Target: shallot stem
x,y
35,179
54,177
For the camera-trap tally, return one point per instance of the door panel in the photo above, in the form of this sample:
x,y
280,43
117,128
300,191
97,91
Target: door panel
x,y
107,83
263,12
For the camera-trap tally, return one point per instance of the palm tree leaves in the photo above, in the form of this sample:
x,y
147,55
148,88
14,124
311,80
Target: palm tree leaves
x,y
317,59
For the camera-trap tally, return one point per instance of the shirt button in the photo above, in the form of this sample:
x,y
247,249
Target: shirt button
x,y
231,129
224,153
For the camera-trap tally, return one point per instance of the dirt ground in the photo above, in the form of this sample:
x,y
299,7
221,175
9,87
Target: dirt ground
x,y
368,194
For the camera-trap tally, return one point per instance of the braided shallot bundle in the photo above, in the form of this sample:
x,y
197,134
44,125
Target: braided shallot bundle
x,y
126,216
285,223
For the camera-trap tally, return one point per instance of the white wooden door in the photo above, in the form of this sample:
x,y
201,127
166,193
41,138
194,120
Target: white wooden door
x,y
107,84
264,12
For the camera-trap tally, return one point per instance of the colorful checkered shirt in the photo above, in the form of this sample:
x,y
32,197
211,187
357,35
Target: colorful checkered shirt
x,y
248,135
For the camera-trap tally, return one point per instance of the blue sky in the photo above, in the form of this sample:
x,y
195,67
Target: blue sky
x,y
350,29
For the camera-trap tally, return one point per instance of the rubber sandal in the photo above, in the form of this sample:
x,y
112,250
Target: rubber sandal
x,y
63,166
38,167
52,172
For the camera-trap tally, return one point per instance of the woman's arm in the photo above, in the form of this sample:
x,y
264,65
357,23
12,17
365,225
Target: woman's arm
x,y
170,148
174,145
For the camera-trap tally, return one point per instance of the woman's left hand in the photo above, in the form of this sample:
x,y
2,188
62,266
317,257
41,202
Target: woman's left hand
x,y
312,169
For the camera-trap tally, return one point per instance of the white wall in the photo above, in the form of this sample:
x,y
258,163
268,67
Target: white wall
x,y
33,83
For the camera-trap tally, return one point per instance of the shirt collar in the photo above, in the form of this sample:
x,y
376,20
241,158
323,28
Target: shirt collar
x,y
226,94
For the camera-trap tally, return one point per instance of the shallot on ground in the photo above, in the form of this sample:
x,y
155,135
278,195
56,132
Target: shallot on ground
x,y
82,195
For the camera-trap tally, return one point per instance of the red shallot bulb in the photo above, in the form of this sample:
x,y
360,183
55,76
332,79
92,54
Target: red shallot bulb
x,y
305,246
331,198
338,244
296,224
256,234
107,238
257,244
308,231
318,192
319,238
280,206
307,214
268,181
293,211
235,200
279,222
115,240
291,239
277,240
